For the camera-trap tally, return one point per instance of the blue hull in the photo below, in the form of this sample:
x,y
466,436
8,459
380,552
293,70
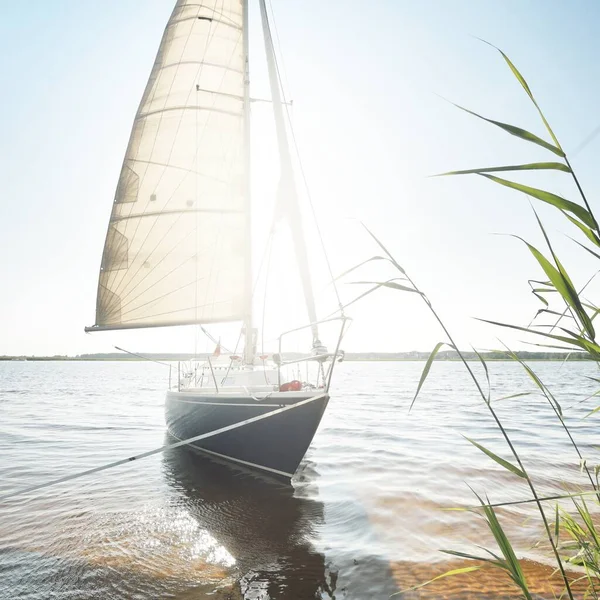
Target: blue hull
x,y
275,444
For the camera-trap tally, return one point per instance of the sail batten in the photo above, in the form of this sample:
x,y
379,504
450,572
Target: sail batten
x,y
197,62
177,245
176,212
209,19
182,108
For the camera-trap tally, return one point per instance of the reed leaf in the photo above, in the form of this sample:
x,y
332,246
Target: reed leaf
x,y
472,556
513,396
569,332
450,573
586,248
555,347
547,311
527,501
545,283
426,372
517,131
509,561
539,166
586,517
562,315
504,463
593,412
590,347
547,393
586,543
538,291
355,267
593,308
561,285
525,86
388,284
548,197
380,244
360,297
512,564
573,294
589,233
487,374
562,282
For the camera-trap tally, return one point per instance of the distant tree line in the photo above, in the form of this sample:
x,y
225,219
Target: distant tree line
x,y
448,355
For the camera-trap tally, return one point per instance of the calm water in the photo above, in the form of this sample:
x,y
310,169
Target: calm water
x,y
364,518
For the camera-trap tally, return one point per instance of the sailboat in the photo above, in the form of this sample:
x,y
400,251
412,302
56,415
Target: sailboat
x,y
178,247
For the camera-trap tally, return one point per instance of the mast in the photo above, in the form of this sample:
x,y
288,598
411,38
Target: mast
x,y
249,349
287,196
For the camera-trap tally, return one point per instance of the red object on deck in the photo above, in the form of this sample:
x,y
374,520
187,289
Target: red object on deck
x,y
291,386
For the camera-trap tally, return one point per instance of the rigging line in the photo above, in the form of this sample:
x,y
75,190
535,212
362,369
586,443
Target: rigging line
x,y
161,449
234,352
264,311
284,70
158,362
123,278
587,140
305,180
196,228
262,262
214,340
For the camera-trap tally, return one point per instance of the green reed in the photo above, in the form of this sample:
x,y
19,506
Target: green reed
x,y
572,330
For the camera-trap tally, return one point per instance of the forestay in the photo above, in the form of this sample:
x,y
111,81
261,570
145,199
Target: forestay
x,y
177,245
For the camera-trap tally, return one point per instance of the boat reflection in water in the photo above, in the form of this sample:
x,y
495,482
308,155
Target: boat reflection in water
x,y
259,521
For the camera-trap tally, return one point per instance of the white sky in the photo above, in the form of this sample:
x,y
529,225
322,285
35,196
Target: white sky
x,y
365,80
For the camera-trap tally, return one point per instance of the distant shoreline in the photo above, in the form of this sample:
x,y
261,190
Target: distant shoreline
x,y
349,357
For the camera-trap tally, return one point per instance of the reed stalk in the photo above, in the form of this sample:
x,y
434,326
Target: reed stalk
x,y
573,331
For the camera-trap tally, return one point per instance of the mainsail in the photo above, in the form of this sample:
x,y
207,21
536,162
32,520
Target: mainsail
x,y
177,249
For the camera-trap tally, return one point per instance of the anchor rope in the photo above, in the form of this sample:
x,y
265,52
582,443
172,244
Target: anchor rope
x,y
164,448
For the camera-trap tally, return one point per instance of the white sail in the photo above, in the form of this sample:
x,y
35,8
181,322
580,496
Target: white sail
x,y
177,249
287,196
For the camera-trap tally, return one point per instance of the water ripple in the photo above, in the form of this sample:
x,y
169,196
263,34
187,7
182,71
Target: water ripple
x,y
365,517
